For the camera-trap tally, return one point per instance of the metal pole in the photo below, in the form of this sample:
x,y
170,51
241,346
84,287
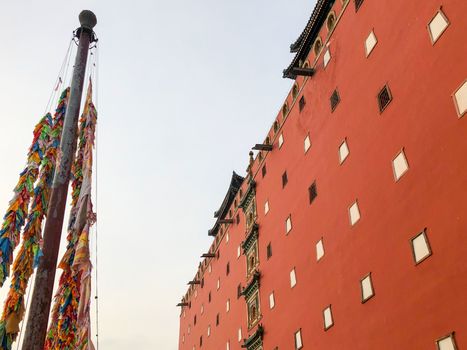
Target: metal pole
x,y
36,328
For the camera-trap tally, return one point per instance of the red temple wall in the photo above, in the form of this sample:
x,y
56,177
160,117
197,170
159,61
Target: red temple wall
x,y
414,305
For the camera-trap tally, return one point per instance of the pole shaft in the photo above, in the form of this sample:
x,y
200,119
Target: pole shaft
x,y
36,328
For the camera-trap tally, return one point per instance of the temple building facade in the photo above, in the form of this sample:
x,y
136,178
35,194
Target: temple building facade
x,y
349,228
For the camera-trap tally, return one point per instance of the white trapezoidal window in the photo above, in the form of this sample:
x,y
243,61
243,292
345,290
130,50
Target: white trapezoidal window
x,y
447,343
307,143
272,302
293,278
326,57
460,99
366,285
354,213
400,165
327,316
420,247
343,151
370,43
437,26
319,250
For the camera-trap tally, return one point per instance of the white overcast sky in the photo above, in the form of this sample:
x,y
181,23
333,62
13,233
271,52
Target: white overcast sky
x,y
186,88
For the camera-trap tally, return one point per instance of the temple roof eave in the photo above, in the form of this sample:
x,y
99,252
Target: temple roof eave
x,y
302,45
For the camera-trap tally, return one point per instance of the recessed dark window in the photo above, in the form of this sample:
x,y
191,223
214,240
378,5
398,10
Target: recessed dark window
x,y
201,341
384,98
269,250
239,291
318,46
313,192
284,179
358,3
209,297
202,283
295,91
276,126
301,103
218,254
238,219
335,99
227,269
285,110
194,320
263,170
217,319
331,22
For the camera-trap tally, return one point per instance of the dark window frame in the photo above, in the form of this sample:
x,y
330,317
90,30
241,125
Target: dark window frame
x,y
301,103
335,99
285,179
385,93
358,4
312,192
268,251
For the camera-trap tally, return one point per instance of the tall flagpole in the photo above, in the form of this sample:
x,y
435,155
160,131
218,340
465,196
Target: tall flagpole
x,y
36,328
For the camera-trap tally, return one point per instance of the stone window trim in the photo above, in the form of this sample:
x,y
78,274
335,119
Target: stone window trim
x,y
321,243
460,114
327,57
307,143
357,202
272,300
327,327
452,336
364,300
401,151
368,51
253,320
299,333
293,278
424,233
440,11
342,160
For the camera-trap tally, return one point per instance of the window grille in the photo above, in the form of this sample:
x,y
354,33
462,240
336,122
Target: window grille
x,y
358,3
301,103
384,98
313,192
335,99
284,179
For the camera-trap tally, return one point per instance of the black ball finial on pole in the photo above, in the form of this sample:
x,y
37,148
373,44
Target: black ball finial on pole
x,y
87,19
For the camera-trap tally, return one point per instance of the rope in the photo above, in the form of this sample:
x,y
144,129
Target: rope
x,y
56,89
20,336
96,298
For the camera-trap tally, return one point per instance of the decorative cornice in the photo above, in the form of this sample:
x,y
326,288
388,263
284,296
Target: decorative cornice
x,y
249,195
251,237
255,341
234,187
252,286
303,44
